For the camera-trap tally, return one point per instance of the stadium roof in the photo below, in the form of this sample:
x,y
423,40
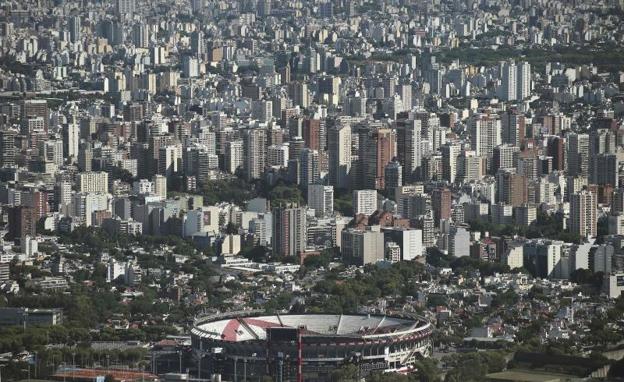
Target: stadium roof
x,y
255,328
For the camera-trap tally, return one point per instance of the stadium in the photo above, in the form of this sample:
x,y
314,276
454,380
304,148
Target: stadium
x,y
293,347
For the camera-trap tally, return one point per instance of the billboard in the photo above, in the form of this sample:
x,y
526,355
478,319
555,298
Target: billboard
x,y
281,334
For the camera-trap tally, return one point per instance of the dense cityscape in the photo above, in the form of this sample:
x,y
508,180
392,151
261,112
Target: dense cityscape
x,y
311,190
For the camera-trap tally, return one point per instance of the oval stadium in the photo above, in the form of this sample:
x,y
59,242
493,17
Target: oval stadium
x,y
244,345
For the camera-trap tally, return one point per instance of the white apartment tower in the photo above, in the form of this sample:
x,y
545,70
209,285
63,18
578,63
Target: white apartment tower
x,y
96,182
515,81
254,141
523,81
364,202
321,199
583,215
233,156
339,146
485,134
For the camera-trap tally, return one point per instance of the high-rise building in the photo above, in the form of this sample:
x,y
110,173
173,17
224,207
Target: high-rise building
x,y
112,30
198,47
434,78
513,126
328,89
426,224
409,241
84,205
5,272
96,182
160,186
7,147
339,145
392,252
529,166
555,148
441,199
71,141
314,134
51,151
523,81
141,35
543,258
511,188
298,91
234,155
326,10
578,154
605,170
36,108
62,191
126,7
525,215
254,146
169,160
402,196
377,149
361,247
263,8
206,164
617,201
85,157
321,199
554,124
405,91
310,166
289,230
472,166
409,148
509,83
501,214
450,152
351,9
515,81
74,28
262,110
602,259
583,215
190,67
485,135
602,141
393,177
278,155
364,202
22,222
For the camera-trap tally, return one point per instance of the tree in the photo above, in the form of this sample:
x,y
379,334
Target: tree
x,y
427,370
348,294
256,253
321,260
438,259
279,302
118,173
474,366
232,228
345,373
285,194
505,299
617,369
234,190
387,377
343,202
